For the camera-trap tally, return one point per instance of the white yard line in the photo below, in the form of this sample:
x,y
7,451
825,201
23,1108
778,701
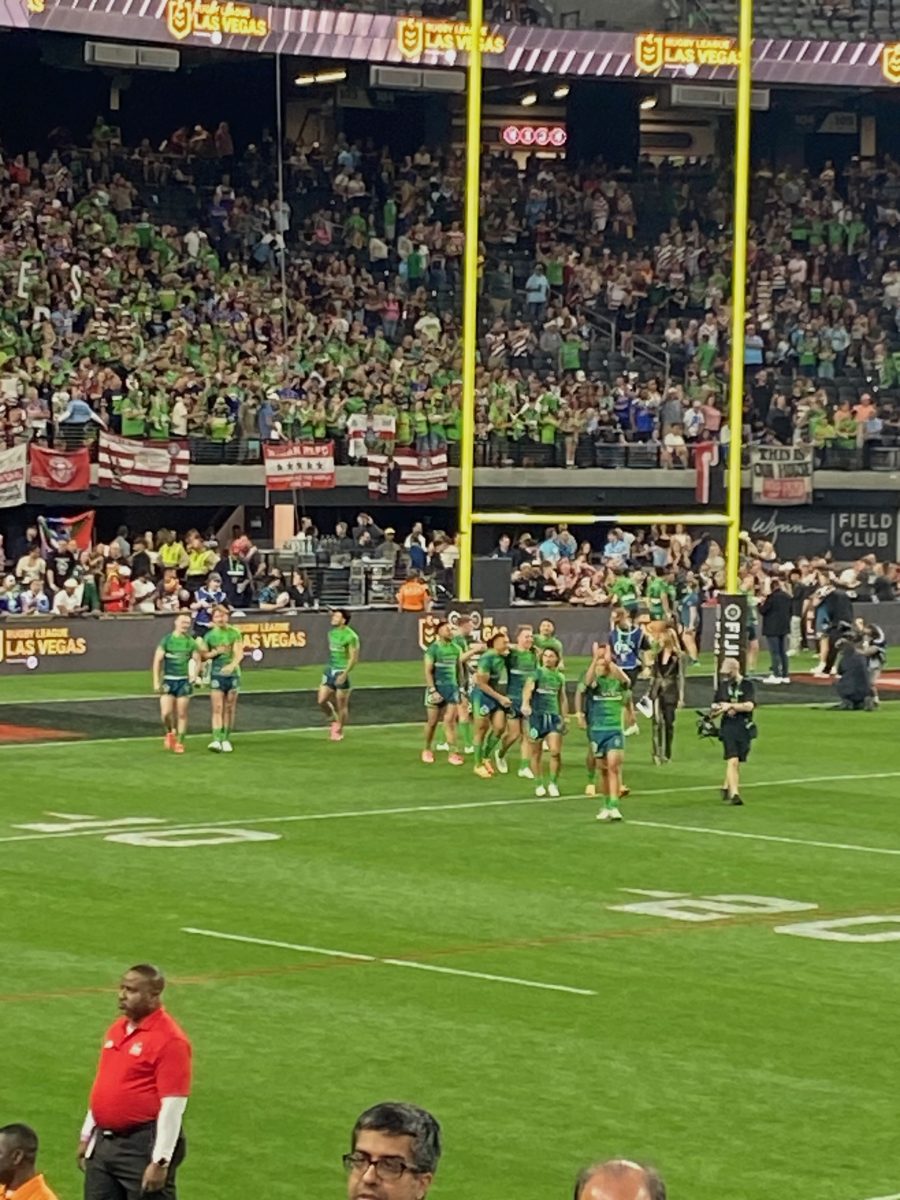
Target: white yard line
x,y
515,802
389,962
894,1196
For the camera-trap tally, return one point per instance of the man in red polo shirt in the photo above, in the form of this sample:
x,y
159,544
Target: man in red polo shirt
x,y
131,1140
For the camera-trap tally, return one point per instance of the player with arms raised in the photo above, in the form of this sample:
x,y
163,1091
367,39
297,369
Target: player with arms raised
x,y
603,703
223,648
443,676
545,708
343,655
176,666
490,703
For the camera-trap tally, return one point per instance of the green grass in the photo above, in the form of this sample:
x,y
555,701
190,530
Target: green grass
x,y
743,1062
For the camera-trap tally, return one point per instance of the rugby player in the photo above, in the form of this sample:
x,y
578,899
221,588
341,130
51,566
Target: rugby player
x,y
176,665
223,648
602,704
472,648
334,689
659,601
545,708
490,703
443,678
522,663
546,639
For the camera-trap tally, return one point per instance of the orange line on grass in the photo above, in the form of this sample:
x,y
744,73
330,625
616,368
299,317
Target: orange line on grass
x,y
722,923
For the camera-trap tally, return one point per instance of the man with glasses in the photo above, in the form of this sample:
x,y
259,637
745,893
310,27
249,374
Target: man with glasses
x,y
395,1153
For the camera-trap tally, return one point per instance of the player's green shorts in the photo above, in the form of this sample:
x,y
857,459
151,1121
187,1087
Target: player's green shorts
x,y
514,712
542,724
179,688
482,704
441,694
225,684
329,680
604,740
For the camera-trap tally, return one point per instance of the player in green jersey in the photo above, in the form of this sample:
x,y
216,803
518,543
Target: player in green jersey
x,y
444,674
545,708
490,703
176,665
472,648
603,704
624,591
223,648
659,601
334,689
546,639
522,662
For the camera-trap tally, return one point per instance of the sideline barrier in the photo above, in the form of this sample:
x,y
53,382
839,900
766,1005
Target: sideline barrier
x,y
126,643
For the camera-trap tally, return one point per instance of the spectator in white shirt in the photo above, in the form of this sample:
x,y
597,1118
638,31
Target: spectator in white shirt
x,y
69,600
31,566
694,421
674,449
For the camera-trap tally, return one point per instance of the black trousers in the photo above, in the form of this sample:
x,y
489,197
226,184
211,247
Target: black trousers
x,y
116,1168
778,654
665,707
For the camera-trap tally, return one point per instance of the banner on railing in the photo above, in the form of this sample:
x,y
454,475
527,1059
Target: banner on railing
x,y
408,476
151,468
60,471
291,466
12,476
781,475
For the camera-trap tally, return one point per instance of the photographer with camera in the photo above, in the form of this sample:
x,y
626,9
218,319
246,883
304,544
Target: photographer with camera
x,y
854,684
734,703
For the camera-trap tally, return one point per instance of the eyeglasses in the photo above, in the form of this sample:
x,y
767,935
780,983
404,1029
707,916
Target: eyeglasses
x,y
389,1167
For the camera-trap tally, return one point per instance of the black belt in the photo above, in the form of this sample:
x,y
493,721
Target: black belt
x,y
127,1133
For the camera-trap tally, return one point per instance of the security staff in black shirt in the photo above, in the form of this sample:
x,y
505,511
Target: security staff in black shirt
x,y
734,703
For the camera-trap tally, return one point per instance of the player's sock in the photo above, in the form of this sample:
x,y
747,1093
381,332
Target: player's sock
x,y
179,737
554,776
490,744
465,732
479,754
612,801
592,776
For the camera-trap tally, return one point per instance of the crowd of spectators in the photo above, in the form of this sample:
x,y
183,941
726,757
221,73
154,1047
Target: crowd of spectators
x,y
170,293
167,571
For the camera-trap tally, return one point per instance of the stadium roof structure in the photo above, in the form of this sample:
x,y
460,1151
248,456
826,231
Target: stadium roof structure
x,y
383,38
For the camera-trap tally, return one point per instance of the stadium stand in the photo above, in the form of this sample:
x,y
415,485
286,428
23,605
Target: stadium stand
x,y
170,293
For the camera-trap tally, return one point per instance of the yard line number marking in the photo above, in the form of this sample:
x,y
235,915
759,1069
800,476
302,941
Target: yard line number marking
x,y
388,962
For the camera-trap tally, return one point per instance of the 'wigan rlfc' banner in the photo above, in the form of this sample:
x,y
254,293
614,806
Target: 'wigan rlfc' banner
x,y
12,476
295,465
781,474
151,468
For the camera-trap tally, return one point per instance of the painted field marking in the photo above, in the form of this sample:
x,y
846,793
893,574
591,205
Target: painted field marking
x,y
519,802
157,737
388,962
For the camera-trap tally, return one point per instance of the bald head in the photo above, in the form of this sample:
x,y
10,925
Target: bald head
x,y
619,1179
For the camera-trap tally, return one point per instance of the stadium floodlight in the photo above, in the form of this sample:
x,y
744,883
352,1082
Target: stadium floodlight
x,y
730,519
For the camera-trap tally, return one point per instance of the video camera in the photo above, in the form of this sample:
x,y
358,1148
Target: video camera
x,y
706,725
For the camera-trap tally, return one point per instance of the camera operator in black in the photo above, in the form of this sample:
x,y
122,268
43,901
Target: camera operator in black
x,y
734,703
854,683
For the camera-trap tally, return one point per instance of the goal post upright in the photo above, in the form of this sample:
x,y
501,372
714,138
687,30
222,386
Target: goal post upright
x,y
730,519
